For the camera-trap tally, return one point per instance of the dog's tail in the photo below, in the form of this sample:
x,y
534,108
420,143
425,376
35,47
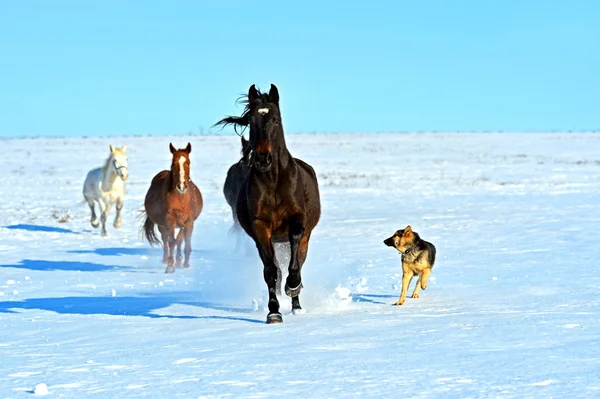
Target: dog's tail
x,y
148,232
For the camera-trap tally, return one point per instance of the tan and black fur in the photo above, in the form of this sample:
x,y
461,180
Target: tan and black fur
x,y
418,257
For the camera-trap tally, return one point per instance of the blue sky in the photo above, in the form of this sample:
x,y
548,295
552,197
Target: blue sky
x,y
72,68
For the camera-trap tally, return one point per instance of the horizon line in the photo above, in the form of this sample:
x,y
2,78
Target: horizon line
x,y
209,133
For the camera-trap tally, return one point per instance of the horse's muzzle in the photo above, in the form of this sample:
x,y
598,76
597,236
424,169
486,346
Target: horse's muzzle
x,y
263,161
182,188
123,174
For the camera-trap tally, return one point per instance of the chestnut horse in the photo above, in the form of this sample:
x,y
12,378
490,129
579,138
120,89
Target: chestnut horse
x,y
173,201
279,199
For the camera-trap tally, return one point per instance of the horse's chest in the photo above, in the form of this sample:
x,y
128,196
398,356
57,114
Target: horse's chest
x,y
112,193
181,216
275,210
180,209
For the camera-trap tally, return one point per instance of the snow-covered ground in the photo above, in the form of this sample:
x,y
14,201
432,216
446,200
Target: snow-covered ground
x,y
512,309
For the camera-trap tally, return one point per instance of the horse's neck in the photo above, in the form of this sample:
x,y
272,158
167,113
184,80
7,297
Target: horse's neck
x,y
283,154
283,160
108,178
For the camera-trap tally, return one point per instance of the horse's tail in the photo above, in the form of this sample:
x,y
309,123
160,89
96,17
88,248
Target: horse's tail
x,y
149,233
235,228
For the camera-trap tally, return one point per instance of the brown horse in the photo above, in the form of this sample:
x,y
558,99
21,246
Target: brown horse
x,y
173,201
279,200
235,178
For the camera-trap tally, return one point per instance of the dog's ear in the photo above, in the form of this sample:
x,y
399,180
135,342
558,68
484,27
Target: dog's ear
x,y
407,231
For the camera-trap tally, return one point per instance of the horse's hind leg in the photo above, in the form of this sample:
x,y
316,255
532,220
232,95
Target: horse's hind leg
x,y
279,277
180,236
94,218
117,222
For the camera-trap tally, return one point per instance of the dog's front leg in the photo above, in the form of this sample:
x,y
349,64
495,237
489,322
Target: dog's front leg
x,y
406,278
424,277
415,293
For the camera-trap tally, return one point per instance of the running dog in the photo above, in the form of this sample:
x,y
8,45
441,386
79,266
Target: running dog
x,y
418,257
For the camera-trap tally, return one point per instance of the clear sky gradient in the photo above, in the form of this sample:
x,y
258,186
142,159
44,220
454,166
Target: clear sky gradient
x,y
73,68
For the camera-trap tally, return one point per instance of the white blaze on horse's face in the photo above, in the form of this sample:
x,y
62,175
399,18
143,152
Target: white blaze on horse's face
x,y
182,186
263,111
120,164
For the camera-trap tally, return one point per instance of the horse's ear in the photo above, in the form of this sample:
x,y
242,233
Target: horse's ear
x,y
274,94
188,149
244,144
172,148
112,149
124,148
252,94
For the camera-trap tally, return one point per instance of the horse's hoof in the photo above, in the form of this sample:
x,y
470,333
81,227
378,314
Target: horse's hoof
x,y
103,233
178,262
117,225
293,292
95,223
186,265
274,318
298,311
170,270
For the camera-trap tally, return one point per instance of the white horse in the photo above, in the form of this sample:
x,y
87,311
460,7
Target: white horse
x,y
107,186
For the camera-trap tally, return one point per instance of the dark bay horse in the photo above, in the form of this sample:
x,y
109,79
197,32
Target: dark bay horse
x,y
235,178
173,201
279,200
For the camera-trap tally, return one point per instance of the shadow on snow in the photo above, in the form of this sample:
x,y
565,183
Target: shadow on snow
x,y
118,251
143,306
49,265
371,298
38,228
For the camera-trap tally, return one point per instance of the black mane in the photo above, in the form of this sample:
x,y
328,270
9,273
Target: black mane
x,y
244,120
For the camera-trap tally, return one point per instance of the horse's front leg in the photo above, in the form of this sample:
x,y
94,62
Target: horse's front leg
x,y
187,233
180,237
171,224
117,222
262,232
298,246
104,208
